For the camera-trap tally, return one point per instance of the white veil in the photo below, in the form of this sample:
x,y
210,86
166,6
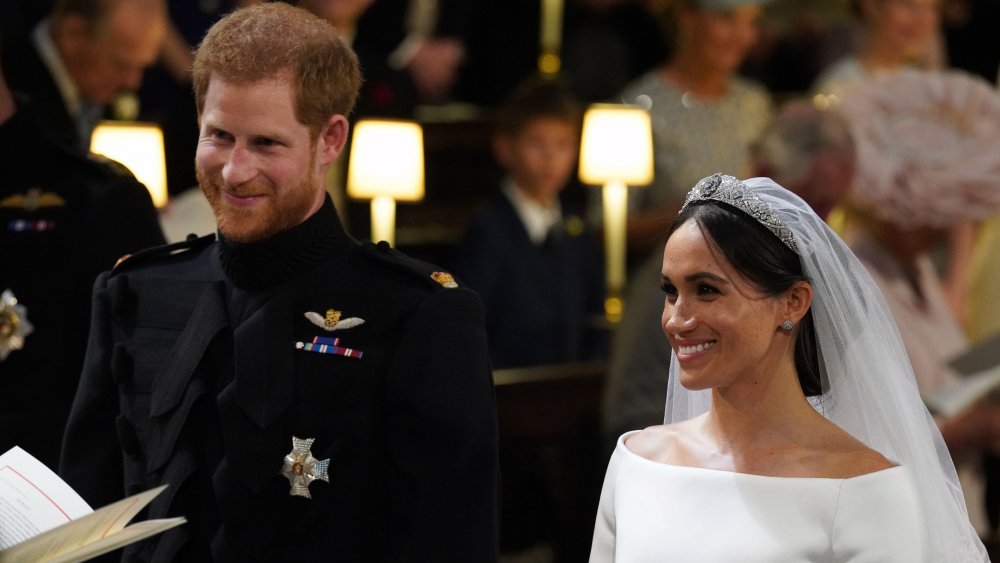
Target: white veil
x,y
871,391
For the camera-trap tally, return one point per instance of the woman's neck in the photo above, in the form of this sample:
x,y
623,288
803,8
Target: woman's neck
x,y
689,75
763,409
878,55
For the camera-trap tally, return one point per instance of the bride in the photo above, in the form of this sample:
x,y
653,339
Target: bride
x,y
794,431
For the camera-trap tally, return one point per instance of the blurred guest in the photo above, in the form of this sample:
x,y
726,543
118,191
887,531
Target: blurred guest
x,y
812,153
920,170
900,34
704,116
386,91
64,218
897,33
81,57
425,39
813,149
527,255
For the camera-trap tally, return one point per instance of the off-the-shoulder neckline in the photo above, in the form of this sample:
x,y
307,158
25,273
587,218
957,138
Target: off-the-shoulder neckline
x,y
724,472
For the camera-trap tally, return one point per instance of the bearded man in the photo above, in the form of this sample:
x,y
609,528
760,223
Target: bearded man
x,y
305,396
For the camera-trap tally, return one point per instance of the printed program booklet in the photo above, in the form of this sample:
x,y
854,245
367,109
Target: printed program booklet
x,y
979,367
43,519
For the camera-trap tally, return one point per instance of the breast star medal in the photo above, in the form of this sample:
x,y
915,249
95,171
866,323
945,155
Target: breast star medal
x,y
301,468
14,325
332,320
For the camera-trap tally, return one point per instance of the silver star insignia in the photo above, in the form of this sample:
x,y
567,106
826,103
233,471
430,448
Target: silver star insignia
x,y
14,325
301,468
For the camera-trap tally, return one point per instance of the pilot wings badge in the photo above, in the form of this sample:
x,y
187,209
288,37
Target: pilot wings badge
x,y
14,325
333,321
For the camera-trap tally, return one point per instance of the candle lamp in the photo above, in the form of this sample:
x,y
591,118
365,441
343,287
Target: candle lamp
x,y
616,152
386,165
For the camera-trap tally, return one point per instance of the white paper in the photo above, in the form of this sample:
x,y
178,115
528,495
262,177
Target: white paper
x,y
33,499
968,390
43,520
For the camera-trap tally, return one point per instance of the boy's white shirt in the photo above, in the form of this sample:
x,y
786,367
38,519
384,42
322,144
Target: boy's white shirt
x,y
537,219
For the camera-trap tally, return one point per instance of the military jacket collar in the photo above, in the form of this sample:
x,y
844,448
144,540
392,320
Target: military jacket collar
x,y
286,255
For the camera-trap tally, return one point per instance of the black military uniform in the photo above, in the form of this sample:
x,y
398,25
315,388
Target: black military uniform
x,y
204,364
27,73
64,218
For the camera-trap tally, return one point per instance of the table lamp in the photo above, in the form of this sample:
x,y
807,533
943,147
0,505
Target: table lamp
x,y
138,146
386,165
616,151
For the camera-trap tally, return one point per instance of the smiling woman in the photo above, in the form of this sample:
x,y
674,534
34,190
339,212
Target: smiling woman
x,y
793,419
745,269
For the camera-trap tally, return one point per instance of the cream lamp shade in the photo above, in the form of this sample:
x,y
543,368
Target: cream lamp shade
x,y
616,151
386,165
139,147
617,145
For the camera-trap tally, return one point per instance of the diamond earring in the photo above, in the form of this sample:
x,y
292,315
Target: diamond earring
x,y
787,325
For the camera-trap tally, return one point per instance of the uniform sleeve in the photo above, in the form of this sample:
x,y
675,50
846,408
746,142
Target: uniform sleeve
x,y
91,455
602,550
877,519
441,436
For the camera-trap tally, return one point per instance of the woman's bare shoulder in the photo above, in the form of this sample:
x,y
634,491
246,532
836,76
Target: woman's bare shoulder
x,y
859,462
845,456
664,443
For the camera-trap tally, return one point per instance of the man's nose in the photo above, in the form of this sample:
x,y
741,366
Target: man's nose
x,y
239,167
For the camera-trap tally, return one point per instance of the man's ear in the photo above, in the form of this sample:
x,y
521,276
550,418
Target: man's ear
x,y
797,301
332,138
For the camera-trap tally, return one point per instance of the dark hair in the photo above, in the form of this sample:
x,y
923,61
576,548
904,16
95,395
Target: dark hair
x,y
538,98
765,261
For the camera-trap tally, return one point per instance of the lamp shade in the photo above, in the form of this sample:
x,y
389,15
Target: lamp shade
x,y
617,145
387,159
138,146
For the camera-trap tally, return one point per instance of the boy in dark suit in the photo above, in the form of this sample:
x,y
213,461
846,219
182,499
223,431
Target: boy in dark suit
x,y
530,259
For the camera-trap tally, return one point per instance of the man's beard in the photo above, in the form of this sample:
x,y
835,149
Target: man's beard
x,y
279,211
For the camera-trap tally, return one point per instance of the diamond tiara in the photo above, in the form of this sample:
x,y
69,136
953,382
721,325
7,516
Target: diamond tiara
x,y
732,191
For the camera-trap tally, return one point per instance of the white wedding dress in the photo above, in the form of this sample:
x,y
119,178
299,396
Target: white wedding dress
x,y
662,513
